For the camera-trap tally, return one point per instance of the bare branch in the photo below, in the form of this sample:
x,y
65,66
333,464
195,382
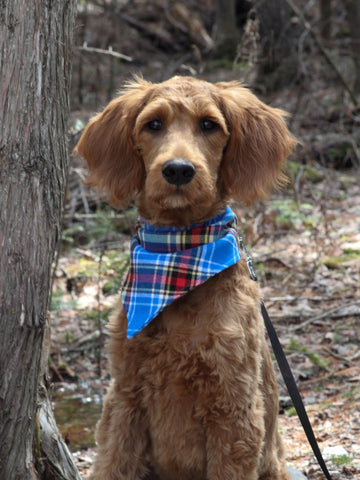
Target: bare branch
x,y
109,51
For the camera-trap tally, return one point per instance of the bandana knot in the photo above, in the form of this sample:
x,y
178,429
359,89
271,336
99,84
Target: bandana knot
x,y
168,262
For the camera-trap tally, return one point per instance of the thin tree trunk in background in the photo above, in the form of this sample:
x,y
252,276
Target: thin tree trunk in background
x,y
325,19
279,41
227,35
353,15
35,44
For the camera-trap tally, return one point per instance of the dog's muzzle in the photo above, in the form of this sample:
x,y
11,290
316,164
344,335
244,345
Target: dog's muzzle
x,y
178,171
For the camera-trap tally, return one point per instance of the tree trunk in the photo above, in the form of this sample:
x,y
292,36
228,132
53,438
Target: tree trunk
x,y
227,34
325,19
53,461
353,15
35,42
279,42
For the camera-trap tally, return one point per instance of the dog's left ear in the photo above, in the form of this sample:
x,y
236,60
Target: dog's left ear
x,y
259,143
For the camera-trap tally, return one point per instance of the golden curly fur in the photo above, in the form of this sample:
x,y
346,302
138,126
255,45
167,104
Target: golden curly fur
x,y
193,395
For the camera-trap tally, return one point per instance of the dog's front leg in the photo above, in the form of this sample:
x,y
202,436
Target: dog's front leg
x,y
234,444
122,440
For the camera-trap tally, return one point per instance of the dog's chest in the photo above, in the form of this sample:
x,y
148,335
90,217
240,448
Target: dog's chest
x,y
177,396
195,353
202,352
180,387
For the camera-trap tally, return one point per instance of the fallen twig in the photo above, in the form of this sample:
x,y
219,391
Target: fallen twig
x,y
339,357
325,377
109,51
277,260
327,314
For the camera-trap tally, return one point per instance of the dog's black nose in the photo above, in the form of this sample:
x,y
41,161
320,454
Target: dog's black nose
x,y
178,171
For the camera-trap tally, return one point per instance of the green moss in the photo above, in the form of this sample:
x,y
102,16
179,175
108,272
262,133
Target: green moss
x,y
341,459
109,288
290,216
313,175
70,234
354,253
94,314
310,173
336,262
315,358
291,412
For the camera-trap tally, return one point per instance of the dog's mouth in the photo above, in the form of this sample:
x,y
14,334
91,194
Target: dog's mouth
x,y
176,199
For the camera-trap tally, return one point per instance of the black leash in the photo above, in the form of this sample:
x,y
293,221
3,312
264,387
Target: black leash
x,y
287,374
293,390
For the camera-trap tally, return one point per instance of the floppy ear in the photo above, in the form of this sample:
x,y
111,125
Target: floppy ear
x,y
107,145
258,145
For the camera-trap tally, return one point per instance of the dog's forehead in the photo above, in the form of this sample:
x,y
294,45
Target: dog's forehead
x,y
184,87
186,94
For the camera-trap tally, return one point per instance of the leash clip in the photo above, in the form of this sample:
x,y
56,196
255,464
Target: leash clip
x,y
249,260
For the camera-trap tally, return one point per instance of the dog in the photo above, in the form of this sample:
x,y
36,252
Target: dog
x,y
193,393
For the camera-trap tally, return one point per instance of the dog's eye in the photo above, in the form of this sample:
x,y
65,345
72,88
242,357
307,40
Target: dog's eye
x,y
154,125
208,125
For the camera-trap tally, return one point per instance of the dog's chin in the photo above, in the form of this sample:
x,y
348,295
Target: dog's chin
x,y
178,206
175,200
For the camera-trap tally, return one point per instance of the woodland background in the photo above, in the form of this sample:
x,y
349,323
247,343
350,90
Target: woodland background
x,y
303,57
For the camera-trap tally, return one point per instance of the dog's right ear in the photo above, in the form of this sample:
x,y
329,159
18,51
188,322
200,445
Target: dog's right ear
x,y
115,165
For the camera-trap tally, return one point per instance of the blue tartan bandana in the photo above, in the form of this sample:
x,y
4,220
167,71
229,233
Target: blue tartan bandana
x,y
166,263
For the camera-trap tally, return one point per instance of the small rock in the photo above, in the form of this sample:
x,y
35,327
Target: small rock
x,y
334,452
295,474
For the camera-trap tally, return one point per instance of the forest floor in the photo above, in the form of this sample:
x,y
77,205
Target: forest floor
x,y
305,242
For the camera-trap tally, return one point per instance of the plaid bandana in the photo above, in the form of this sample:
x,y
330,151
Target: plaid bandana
x,y
166,263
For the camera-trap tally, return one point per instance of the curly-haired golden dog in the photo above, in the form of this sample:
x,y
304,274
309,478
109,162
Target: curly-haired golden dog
x,y
193,394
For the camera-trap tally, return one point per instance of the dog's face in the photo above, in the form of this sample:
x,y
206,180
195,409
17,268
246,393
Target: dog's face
x,y
180,136
183,147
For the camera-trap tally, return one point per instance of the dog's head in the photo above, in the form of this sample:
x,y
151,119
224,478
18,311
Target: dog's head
x,y
184,147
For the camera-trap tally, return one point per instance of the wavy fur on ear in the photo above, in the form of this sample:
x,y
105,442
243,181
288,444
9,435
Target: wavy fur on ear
x,y
258,145
108,147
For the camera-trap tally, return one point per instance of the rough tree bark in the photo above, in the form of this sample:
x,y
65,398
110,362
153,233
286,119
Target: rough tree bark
x,y
35,43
